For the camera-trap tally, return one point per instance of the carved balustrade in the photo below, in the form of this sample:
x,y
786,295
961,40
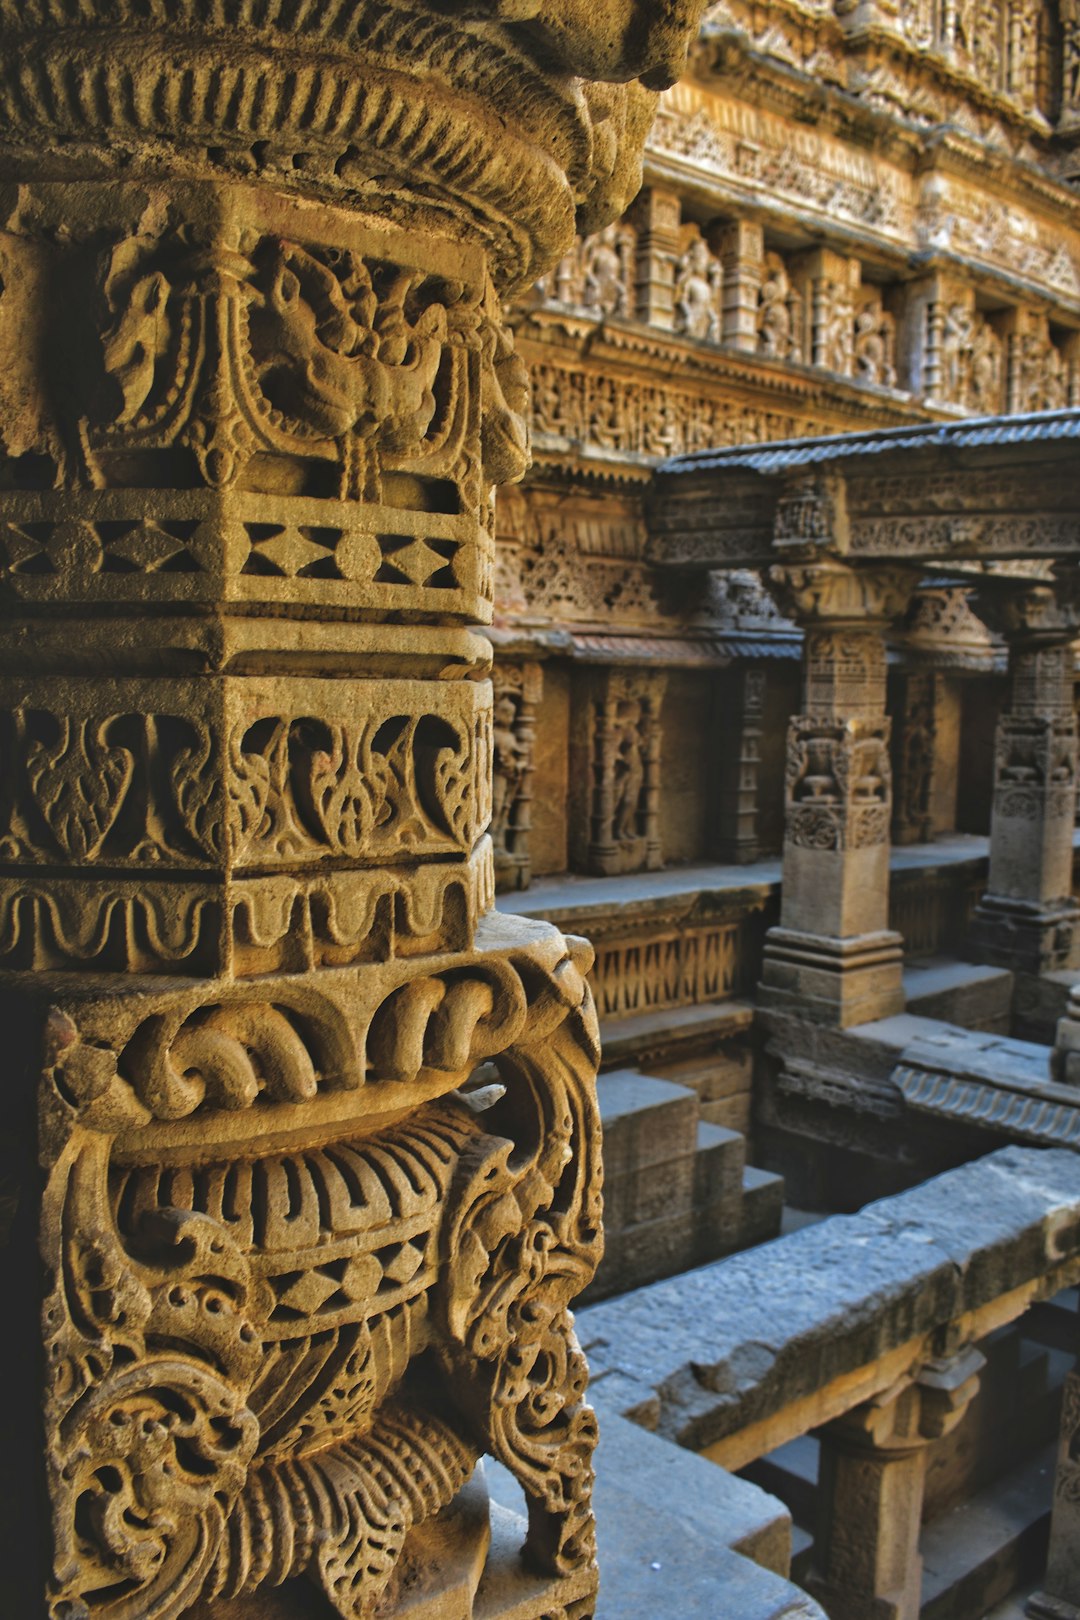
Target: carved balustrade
x,y
255,394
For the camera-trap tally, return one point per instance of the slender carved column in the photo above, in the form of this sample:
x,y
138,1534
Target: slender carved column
x,y
615,772
517,694
915,757
736,832
1028,919
870,1490
834,958
255,395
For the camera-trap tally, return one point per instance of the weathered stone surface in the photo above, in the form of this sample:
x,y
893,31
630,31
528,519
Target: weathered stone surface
x,y
704,1356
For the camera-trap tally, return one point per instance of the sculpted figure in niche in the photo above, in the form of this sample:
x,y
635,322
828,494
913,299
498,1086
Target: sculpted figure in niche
x,y
510,765
697,292
606,286
874,346
1069,12
629,773
985,369
774,315
957,332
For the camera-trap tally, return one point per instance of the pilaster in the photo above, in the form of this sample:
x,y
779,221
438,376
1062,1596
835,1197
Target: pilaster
x,y
658,217
740,248
736,834
834,958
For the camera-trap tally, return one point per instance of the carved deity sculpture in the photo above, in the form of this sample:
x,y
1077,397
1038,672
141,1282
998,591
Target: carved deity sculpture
x,y
517,693
875,345
1069,14
615,771
778,308
698,284
295,1276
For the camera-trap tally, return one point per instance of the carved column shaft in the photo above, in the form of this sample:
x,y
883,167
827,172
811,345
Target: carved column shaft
x,y
616,751
741,250
834,958
658,215
255,395
736,827
1027,918
1059,1596
870,1492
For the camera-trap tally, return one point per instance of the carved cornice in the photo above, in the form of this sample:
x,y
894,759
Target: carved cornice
x,y
393,106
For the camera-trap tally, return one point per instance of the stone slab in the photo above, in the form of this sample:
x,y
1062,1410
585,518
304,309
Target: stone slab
x,y
969,994
645,1121
729,1344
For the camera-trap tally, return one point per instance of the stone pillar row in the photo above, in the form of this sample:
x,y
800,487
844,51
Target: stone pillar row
x,y
276,1280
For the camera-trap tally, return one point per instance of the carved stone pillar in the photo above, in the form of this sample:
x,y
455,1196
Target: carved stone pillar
x,y
1059,1598
834,958
1028,919
828,284
658,215
736,826
740,248
615,772
870,1491
255,394
517,694
915,757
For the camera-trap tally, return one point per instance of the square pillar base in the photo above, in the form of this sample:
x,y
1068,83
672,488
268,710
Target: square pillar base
x,y
1028,936
839,982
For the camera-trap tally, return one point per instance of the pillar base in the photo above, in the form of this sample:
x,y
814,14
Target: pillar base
x,y
1027,935
840,982
840,1603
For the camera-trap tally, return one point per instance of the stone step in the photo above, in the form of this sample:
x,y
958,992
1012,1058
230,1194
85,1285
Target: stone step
x,y
719,1165
990,1545
762,1206
967,994
677,1192
646,1121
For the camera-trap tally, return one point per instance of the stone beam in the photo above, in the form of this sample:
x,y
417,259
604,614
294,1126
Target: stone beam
x,y
255,395
927,494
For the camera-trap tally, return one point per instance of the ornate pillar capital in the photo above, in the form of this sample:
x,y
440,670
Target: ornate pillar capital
x,y
834,595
